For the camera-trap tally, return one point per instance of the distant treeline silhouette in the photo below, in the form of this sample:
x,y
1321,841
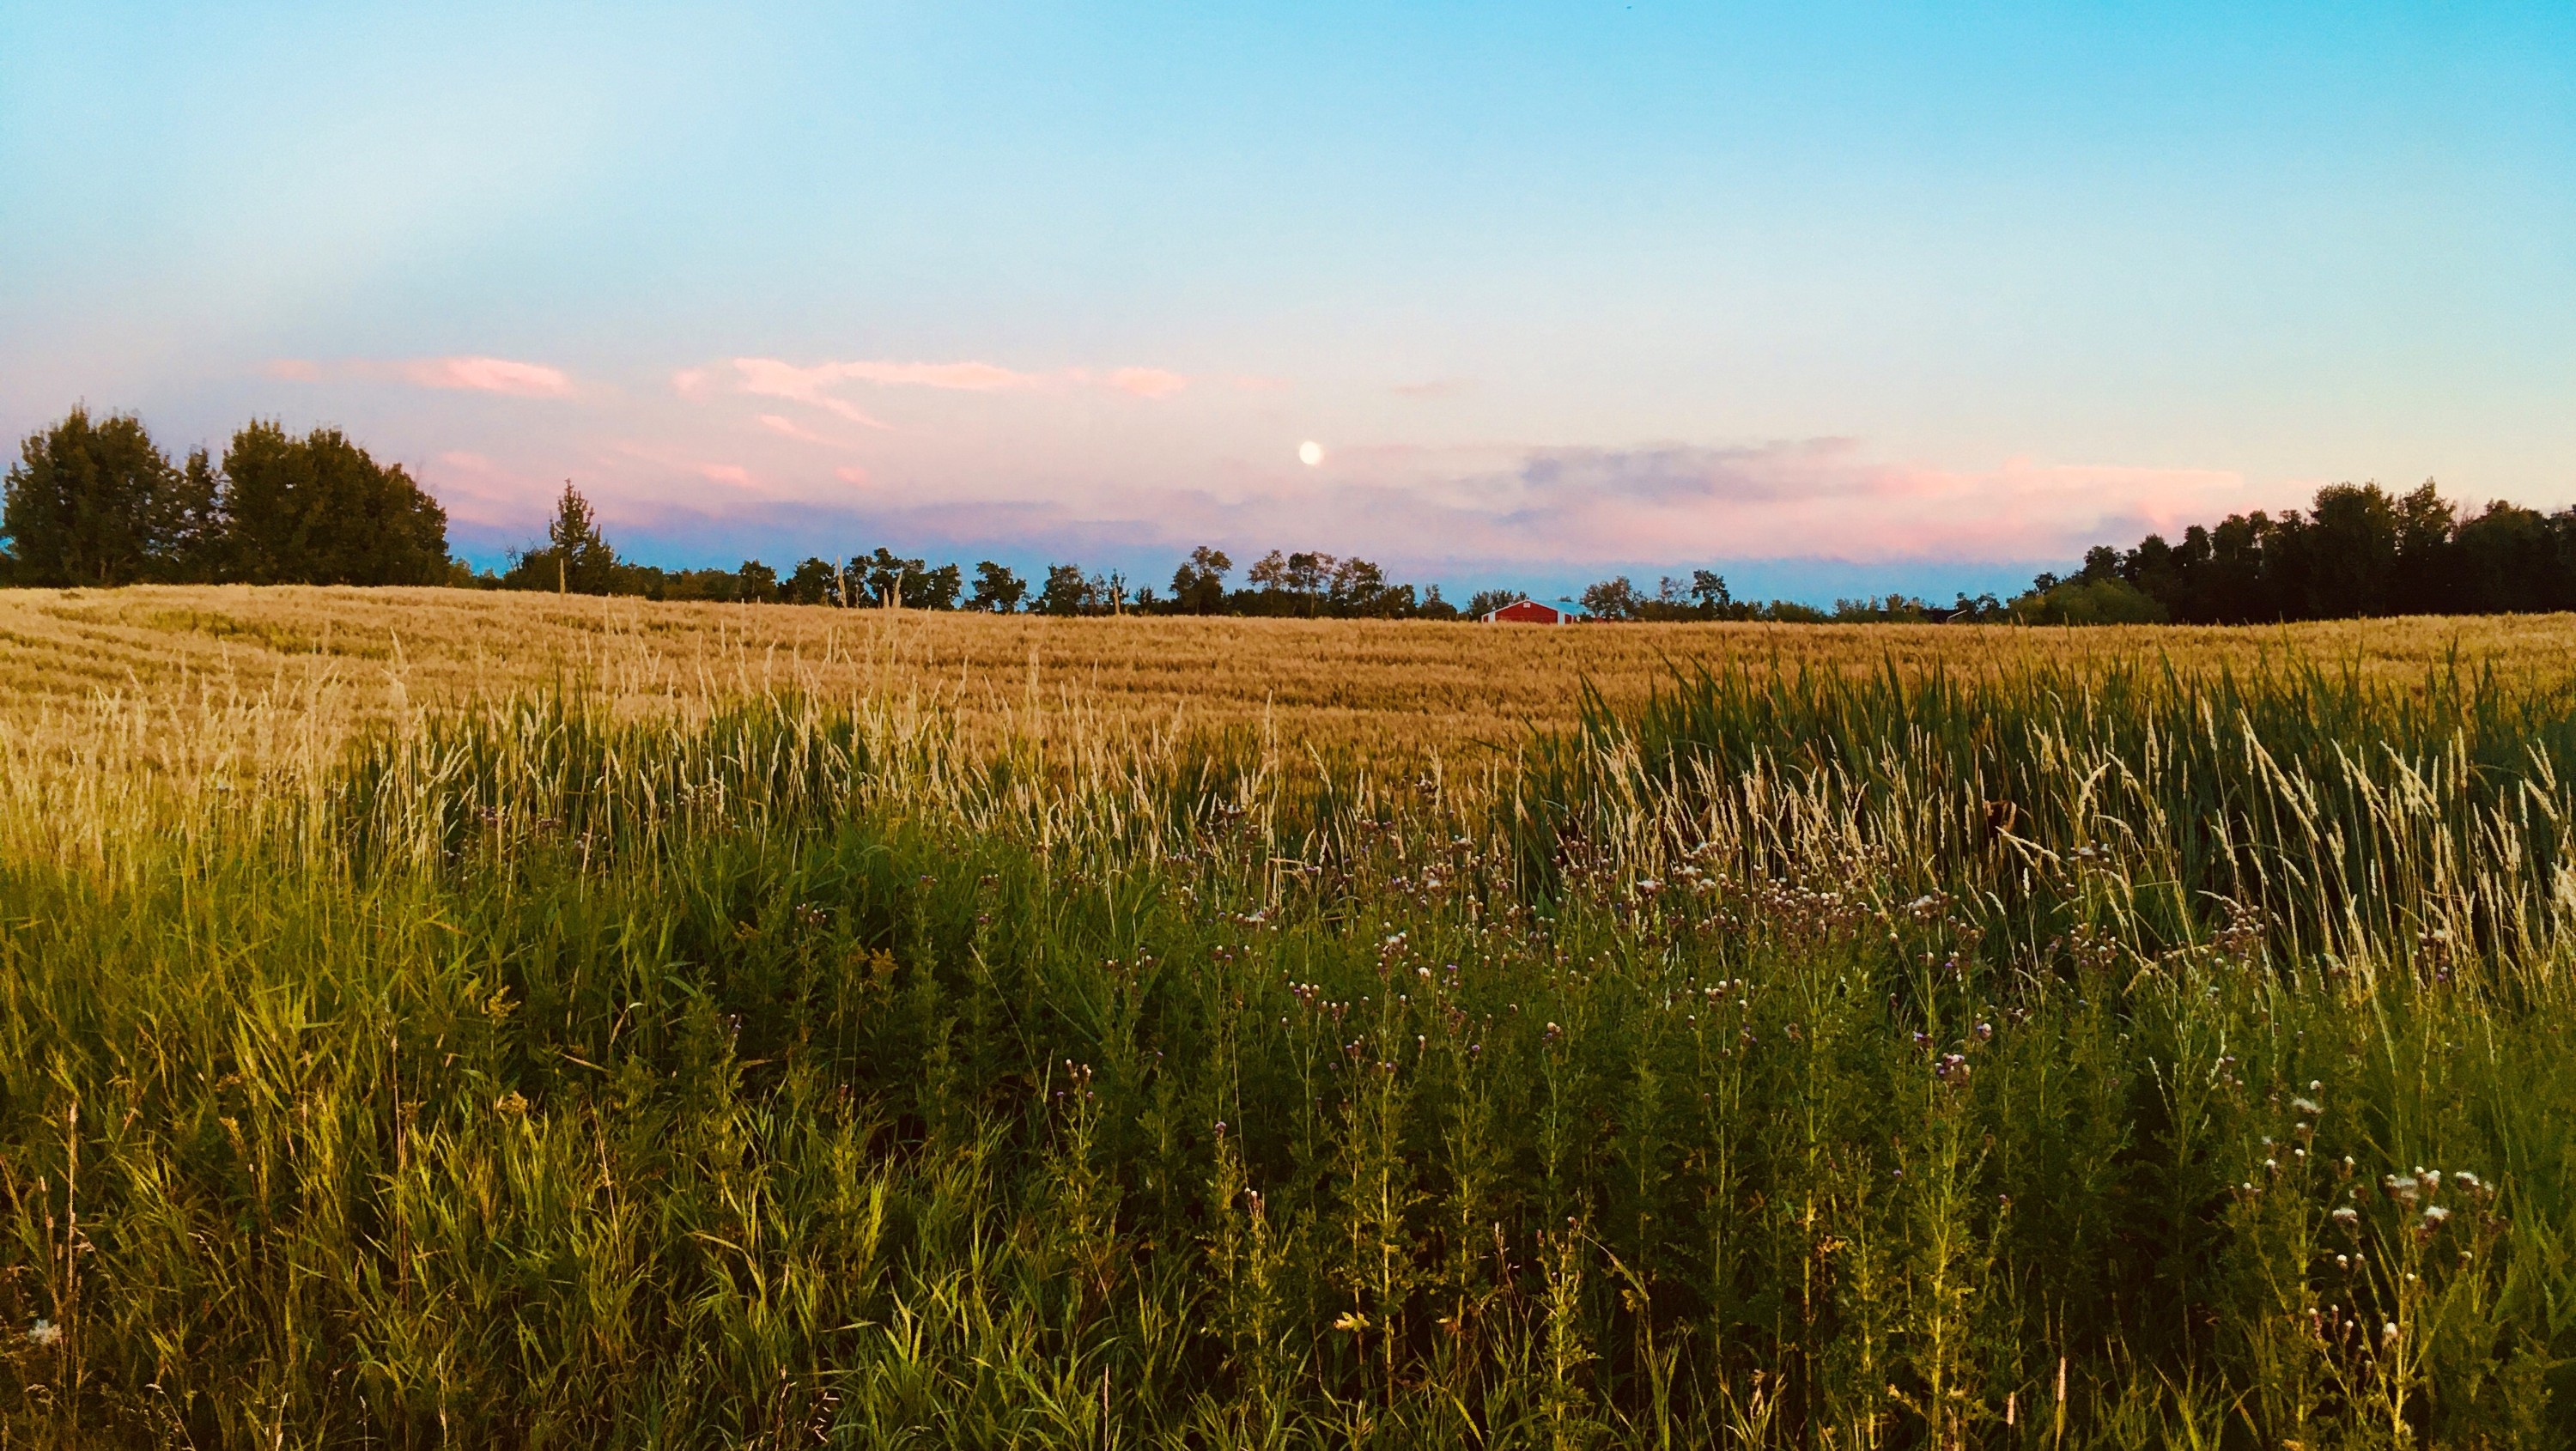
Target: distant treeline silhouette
x,y
2357,551
95,502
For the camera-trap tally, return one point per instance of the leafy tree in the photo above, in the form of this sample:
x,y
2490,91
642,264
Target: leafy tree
x,y
932,589
1433,607
319,510
97,503
1485,601
997,589
758,583
1198,587
1066,592
2082,601
814,582
1613,599
1708,591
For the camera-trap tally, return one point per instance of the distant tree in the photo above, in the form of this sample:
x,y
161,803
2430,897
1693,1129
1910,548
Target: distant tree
x,y
2083,601
1433,607
933,589
1358,588
814,582
1485,601
1708,591
97,503
319,510
1106,594
1198,587
1613,599
576,557
757,583
1066,592
997,589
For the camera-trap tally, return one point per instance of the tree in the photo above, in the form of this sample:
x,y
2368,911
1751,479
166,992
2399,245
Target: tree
x,y
1065,592
97,503
576,557
757,582
1485,601
932,589
319,510
814,582
997,589
1198,587
1708,590
1613,599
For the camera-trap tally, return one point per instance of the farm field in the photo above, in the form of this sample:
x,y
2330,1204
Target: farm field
x,y
340,660
434,1018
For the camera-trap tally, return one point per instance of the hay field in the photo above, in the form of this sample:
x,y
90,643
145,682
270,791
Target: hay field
x,y
437,1018
299,670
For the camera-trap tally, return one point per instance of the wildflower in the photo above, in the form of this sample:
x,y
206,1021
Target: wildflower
x,y
44,1332
2388,1332
2432,1180
2467,1180
2434,1215
1985,1032
2305,1108
512,1103
1554,1032
2348,1217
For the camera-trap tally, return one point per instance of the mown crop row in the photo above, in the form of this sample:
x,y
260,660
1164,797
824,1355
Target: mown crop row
x,y
2053,1058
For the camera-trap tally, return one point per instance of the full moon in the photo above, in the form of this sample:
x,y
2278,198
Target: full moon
x,y
1310,453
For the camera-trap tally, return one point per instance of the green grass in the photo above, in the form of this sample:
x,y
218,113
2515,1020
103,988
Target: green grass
x,y
1783,1063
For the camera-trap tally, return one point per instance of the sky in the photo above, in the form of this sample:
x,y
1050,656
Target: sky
x,y
1836,298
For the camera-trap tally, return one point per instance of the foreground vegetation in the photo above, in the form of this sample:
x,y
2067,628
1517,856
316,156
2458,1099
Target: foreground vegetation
x,y
2016,1052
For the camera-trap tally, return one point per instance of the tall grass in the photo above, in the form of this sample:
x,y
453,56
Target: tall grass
x,y
2113,1059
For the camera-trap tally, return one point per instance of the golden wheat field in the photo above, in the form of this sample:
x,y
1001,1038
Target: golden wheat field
x,y
154,673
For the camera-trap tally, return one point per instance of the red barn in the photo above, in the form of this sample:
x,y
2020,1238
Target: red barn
x,y
1526,612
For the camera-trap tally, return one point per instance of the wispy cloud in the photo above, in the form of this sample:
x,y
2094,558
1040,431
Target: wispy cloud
x,y
781,423
816,385
1432,388
471,374
1147,382
486,375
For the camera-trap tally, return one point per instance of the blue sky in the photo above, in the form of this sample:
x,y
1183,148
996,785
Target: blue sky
x,y
1835,297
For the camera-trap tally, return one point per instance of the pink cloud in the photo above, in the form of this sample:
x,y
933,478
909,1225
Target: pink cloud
x,y
486,375
815,385
734,474
851,474
780,423
298,369
770,378
1147,382
690,382
966,377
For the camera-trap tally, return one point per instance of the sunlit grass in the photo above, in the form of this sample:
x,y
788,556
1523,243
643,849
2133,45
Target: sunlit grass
x,y
2159,1045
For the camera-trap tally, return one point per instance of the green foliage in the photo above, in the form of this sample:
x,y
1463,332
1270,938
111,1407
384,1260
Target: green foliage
x,y
997,590
2111,601
2049,1061
2357,551
320,510
98,503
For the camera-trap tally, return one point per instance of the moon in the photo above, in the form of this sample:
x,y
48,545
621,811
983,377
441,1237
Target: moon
x,y
1311,454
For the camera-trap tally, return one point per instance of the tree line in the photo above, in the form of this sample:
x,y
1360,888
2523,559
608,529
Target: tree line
x,y
2357,551
97,502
